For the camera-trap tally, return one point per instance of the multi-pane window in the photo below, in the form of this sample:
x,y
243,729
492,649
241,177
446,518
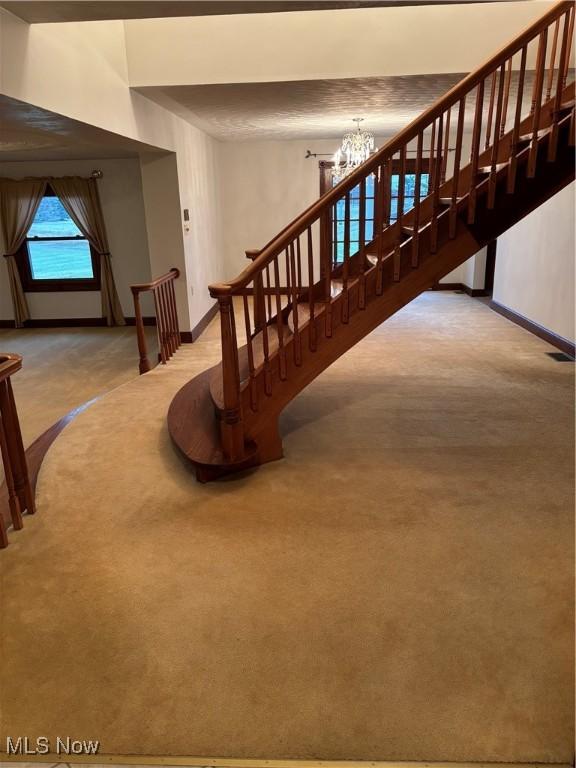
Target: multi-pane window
x,y
339,221
55,254
338,216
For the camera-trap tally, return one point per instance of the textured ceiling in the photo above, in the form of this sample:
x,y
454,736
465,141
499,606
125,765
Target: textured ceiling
x,y
36,11
310,109
30,133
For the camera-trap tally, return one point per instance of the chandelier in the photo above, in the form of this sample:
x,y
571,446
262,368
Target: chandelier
x,y
357,146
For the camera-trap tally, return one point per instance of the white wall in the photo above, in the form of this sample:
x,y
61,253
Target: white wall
x,y
535,265
322,44
266,184
123,209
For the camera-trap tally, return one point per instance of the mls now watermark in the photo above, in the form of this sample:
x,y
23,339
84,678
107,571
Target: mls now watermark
x,y
22,745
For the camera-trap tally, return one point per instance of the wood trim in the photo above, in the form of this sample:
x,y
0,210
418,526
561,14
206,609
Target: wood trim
x,y
73,322
200,327
35,454
474,292
447,287
552,338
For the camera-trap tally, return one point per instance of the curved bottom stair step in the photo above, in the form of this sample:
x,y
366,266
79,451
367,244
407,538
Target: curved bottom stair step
x,y
196,433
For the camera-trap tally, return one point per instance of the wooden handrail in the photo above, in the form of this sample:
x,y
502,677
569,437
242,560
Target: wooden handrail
x,y
390,148
167,327
20,495
173,274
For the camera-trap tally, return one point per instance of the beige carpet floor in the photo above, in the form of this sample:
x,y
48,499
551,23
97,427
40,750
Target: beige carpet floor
x,y
398,587
65,367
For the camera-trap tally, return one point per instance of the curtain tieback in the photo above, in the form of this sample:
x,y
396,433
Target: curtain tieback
x,y
105,253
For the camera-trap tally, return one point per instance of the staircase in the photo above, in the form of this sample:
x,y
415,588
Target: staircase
x,y
303,302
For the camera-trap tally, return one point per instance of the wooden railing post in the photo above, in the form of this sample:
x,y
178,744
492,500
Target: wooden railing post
x,y
167,328
144,363
20,496
231,429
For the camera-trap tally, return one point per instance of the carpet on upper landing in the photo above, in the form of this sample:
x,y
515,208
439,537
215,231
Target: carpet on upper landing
x,y
398,587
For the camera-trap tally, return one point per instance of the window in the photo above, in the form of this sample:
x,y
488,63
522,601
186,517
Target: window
x,y
55,255
338,220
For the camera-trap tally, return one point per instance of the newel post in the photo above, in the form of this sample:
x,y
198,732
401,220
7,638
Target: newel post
x,y
144,364
231,429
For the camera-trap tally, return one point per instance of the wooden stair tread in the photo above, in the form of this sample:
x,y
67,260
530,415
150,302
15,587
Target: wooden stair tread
x,y
448,200
488,168
540,134
304,313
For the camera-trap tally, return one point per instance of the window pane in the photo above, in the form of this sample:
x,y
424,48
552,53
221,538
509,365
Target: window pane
x,y
51,220
60,260
369,230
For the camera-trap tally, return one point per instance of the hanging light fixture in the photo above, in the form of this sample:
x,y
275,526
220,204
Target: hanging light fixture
x,y
357,146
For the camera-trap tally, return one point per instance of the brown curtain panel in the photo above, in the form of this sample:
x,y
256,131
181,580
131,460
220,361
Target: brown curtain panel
x,y
81,200
19,201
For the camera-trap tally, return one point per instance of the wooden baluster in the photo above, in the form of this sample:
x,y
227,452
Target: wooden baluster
x,y
492,178
295,319
263,329
511,184
537,103
431,160
159,327
504,117
279,323
380,222
553,143
362,246
346,265
436,194
312,340
144,363
491,110
259,298
572,12
167,320
250,350
169,337
326,270
417,197
334,240
446,146
231,428
175,340
475,152
268,291
400,214
553,61
175,306
298,267
456,170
